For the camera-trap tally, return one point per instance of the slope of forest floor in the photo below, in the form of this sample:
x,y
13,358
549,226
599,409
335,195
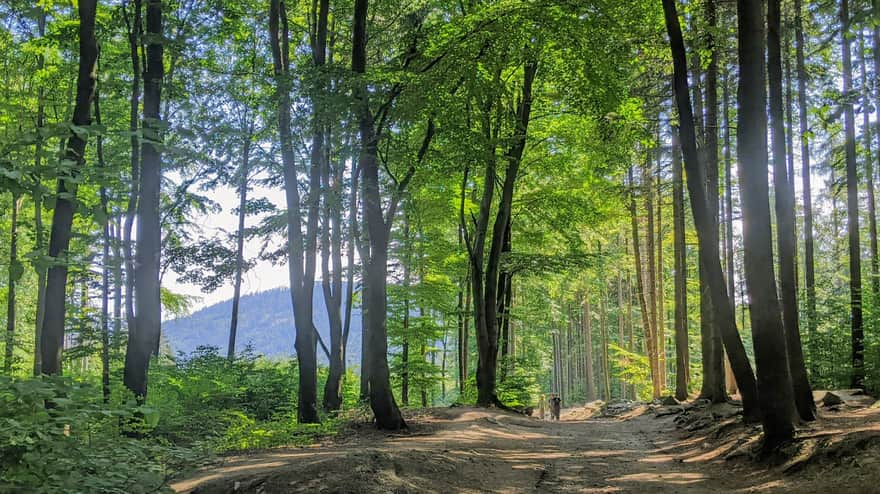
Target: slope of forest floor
x,y
627,447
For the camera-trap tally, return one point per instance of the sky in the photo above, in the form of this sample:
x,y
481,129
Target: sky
x,y
264,276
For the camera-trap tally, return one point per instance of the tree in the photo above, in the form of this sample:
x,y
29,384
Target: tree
x,y
710,259
786,241
143,337
301,246
682,355
713,352
852,205
773,377
52,337
382,400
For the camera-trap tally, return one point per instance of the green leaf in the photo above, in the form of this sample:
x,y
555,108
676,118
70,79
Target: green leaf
x,y
16,270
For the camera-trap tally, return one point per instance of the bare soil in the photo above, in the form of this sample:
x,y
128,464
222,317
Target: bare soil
x,y
635,449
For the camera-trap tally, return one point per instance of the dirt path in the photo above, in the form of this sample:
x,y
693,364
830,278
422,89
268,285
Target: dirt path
x,y
465,450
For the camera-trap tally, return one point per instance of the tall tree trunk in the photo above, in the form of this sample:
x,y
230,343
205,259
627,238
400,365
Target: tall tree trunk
x,y
588,349
134,26
710,259
382,400
786,240
39,242
244,171
661,306
809,263
603,329
713,354
331,280
301,248
621,327
642,284
52,337
852,206
404,354
650,281
486,297
730,380
106,262
869,177
682,352
15,271
144,337
773,378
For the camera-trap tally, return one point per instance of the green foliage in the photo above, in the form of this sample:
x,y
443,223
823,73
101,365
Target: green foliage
x,y
634,368
57,435
206,401
519,386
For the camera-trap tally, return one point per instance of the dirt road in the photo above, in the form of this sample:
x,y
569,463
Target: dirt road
x,y
466,450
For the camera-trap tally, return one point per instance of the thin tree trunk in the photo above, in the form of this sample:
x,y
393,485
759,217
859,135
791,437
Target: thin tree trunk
x,y
640,274
730,381
106,264
651,282
869,177
331,280
404,354
588,349
661,306
621,327
15,271
144,337
852,207
39,242
52,337
682,352
809,263
603,328
134,39
244,171
713,354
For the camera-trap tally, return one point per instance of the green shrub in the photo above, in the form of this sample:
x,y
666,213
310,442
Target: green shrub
x,y
57,435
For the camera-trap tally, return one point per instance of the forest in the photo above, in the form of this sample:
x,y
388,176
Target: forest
x,y
660,212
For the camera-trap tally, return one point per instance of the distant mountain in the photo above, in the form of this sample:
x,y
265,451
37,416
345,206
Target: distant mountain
x,y
265,321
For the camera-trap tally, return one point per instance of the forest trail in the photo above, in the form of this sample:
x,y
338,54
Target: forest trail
x,y
469,450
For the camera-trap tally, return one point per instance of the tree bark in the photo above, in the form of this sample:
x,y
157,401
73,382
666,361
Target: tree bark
x,y
243,171
39,243
710,259
486,283
869,177
852,206
382,401
106,262
134,27
14,272
713,353
588,349
651,282
729,379
143,338
52,336
786,239
682,352
809,263
661,306
300,247
773,377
